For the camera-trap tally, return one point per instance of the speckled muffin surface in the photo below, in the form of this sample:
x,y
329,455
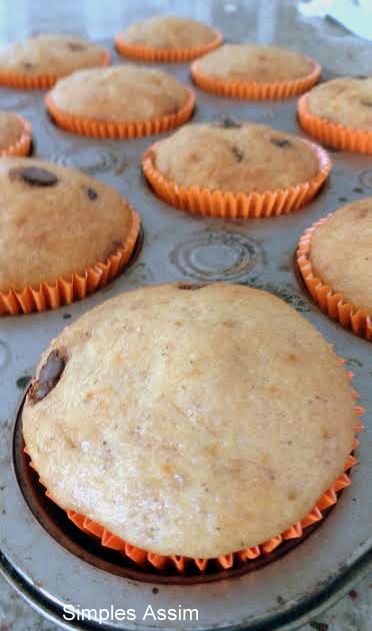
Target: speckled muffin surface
x,y
260,64
169,32
54,221
11,129
120,94
341,252
186,421
236,157
345,101
56,55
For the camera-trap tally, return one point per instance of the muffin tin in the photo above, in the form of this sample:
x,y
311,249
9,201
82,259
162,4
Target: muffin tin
x,y
49,561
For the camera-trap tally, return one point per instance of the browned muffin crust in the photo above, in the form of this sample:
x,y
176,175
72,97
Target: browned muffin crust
x,y
120,94
237,157
168,32
341,252
345,101
261,64
190,422
11,129
55,221
56,55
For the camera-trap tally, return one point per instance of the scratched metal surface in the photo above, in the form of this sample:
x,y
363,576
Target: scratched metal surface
x,y
178,246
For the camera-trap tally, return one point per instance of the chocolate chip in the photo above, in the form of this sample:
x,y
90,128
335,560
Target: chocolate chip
x,y
229,123
361,76
366,103
92,194
75,46
23,381
281,142
27,65
35,176
192,286
49,376
238,154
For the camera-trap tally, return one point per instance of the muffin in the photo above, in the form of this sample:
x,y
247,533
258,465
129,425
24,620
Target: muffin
x,y
167,38
235,169
248,71
164,445
335,259
48,211
118,102
15,135
339,113
38,62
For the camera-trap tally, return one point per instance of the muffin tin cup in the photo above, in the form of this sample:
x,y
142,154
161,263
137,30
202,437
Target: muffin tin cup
x,y
251,90
20,81
165,55
64,292
333,303
23,146
225,562
85,126
216,203
333,134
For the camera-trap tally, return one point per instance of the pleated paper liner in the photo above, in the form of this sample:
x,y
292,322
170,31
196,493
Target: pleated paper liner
x,y
252,90
333,134
167,55
23,146
181,563
333,303
85,126
215,203
65,291
20,81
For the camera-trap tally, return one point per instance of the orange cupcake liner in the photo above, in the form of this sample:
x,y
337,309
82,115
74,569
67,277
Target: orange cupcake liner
x,y
180,563
177,55
85,126
252,90
215,203
333,303
20,81
66,291
23,146
333,134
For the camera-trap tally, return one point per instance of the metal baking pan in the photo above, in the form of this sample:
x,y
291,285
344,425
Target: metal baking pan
x,y
48,563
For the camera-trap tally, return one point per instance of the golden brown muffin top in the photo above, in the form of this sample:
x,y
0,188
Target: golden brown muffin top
x,y
120,93
346,101
54,221
51,55
237,157
193,422
341,252
168,32
248,62
11,129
